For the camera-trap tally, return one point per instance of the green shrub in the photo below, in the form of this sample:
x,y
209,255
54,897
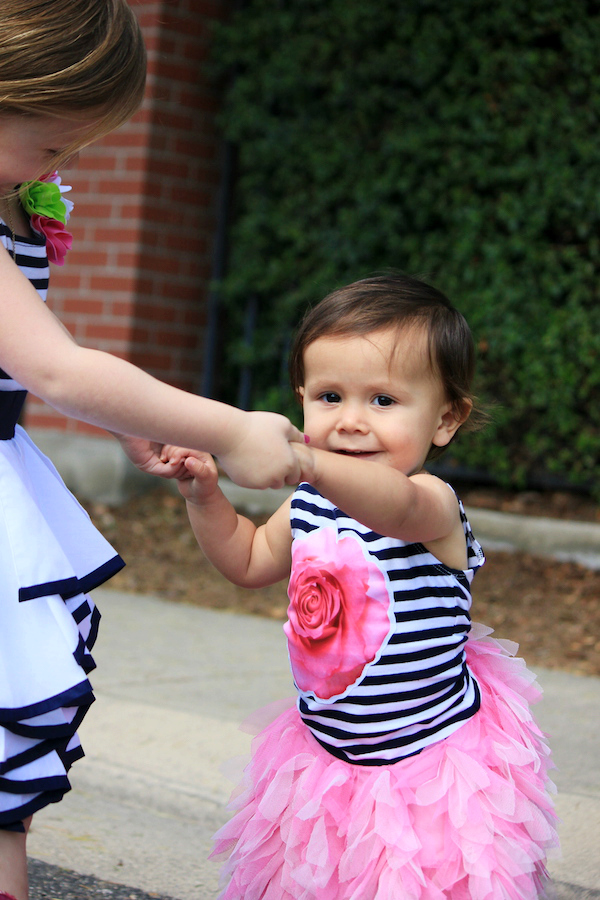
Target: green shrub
x,y
458,141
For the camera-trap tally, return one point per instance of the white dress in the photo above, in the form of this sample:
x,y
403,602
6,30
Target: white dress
x,y
51,555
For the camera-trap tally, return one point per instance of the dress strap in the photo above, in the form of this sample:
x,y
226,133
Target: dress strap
x,y
11,405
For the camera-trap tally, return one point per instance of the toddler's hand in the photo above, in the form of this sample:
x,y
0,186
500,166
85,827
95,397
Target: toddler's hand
x,y
262,456
173,459
201,479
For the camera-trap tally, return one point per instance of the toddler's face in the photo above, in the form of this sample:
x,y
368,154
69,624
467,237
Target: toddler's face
x,y
375,397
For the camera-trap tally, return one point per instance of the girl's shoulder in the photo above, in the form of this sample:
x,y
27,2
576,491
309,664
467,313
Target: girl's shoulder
x,y
459,549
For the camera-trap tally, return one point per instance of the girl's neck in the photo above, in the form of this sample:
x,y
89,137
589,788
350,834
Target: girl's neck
x,y
14,216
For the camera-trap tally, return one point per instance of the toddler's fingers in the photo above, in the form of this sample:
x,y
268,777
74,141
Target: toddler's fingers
x,y
177,455
200,466
168,453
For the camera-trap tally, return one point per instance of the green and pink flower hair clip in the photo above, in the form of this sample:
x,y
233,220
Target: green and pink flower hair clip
x,y
49,212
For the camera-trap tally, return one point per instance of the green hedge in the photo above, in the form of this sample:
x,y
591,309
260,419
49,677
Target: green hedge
x,y
459,141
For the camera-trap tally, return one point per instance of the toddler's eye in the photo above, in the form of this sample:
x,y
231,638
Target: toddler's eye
x,y
330,397
383,400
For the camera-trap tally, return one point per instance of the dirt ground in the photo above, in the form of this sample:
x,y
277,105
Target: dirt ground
x,y
551,608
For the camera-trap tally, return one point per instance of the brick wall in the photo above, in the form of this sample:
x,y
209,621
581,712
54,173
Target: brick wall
x,y
136,281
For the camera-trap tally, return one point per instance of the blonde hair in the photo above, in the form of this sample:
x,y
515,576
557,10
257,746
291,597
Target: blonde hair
x,y
73,59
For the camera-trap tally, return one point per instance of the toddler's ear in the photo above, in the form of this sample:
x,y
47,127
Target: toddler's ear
x,y
451,420
463,411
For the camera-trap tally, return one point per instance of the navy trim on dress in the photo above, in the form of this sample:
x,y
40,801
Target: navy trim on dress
x,y
74,696
70,587
11,817
43,747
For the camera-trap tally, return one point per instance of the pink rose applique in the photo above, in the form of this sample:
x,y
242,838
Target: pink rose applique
x,y
339,614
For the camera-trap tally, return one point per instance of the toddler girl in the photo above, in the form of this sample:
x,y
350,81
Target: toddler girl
x,y
410,766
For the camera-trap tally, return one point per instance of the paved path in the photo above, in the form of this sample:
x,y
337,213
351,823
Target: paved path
x,y
172,684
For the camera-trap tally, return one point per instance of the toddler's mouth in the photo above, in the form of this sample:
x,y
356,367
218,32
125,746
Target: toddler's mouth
x,y
356,452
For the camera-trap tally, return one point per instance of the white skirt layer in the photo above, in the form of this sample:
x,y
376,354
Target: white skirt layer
x,y
51,555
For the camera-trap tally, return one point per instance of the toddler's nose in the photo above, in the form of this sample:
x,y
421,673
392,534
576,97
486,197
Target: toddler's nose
x,y
351,419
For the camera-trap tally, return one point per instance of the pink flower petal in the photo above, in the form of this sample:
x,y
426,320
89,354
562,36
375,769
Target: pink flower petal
x,y
58,239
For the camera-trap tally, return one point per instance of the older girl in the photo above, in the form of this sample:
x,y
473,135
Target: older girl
x,y
70,71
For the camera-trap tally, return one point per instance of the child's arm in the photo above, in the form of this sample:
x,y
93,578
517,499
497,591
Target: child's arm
x,y
246,555
420,508
104,390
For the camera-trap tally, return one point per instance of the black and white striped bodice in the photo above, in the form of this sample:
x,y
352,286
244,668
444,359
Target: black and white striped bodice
x,y
31,258
377,688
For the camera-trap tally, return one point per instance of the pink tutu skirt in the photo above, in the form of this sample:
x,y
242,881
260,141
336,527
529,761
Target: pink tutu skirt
x,y
469,818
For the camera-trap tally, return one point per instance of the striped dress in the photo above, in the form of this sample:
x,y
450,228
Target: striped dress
x,y
410,765
412,685
30,256
50,556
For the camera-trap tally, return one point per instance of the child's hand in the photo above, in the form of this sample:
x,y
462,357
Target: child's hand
x,y
262,456
201,479
174,461
153,458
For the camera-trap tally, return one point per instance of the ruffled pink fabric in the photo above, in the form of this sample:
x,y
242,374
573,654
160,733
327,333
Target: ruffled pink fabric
x,y
58,239
469,818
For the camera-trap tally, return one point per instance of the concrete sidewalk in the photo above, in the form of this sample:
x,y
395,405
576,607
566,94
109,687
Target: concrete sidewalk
x,y
173,683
